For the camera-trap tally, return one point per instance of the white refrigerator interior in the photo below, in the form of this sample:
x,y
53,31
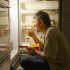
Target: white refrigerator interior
x,y
27,9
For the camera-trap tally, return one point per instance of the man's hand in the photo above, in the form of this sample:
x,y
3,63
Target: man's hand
x,y
31,51
31,33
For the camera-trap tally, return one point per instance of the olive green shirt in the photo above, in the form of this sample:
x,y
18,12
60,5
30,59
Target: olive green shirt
x,y
56,49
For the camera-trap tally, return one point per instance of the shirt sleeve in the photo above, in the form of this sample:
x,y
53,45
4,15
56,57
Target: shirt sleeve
x,y
51,47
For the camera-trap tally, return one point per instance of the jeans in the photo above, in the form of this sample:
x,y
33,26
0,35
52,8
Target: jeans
x,y
34,63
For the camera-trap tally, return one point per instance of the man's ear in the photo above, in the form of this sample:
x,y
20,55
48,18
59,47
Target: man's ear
x,y
41,22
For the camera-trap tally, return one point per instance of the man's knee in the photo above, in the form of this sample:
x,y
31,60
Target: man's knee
x,y
24,62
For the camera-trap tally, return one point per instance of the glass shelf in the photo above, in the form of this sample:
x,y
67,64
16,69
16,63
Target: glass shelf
x,y
46,5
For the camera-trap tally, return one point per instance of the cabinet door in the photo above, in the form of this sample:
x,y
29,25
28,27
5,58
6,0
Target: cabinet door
x,y
4,34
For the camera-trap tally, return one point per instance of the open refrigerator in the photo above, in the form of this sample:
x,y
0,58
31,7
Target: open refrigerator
x,y
27,9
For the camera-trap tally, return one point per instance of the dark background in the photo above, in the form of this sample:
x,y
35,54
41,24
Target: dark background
x,y
64,18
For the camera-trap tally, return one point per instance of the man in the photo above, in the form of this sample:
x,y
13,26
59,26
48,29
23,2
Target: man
x,y
55,53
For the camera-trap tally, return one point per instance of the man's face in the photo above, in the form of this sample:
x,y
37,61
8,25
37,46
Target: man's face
x,y
38,25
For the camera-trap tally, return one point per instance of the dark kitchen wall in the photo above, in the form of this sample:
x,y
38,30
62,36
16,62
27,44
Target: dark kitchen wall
x,y
65,18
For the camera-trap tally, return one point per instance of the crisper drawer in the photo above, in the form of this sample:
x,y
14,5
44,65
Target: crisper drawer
x,y
4,52
3,55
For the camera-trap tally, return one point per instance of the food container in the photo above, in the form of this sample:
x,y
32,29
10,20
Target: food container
x,y
36,46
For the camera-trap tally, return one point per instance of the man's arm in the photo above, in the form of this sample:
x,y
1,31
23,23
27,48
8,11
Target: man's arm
x,y
36,40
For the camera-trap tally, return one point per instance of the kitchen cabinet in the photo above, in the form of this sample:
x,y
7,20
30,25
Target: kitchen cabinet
x,y
27,9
